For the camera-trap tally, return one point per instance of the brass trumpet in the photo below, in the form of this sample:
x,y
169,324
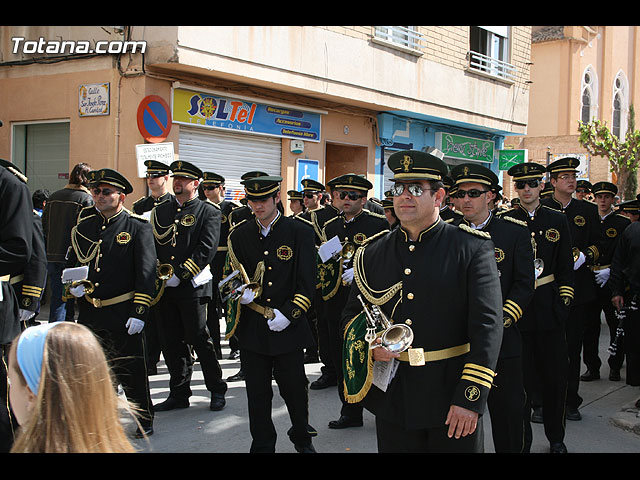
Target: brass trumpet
x,y
164,271
89,287
395,337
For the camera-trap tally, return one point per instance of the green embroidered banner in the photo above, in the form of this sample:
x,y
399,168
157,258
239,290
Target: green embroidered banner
x,y
330,277
357,364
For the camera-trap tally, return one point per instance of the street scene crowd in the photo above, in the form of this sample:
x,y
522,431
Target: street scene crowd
x,y
429,308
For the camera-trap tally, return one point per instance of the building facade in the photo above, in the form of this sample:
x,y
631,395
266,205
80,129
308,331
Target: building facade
x,y
297,101
579,73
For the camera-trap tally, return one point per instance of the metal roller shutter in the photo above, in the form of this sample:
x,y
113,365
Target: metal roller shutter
x,y
230,154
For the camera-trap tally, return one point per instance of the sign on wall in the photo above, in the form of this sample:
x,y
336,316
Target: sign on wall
x,y
510,157
215,111
154,119
464,148
306,168
93,99
162,152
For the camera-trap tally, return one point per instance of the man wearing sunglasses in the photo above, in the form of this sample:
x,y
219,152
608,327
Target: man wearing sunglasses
x,y
442,281
583,189
611,226
447,213
542,324
583,225
187,232
117,246
475,189
352,227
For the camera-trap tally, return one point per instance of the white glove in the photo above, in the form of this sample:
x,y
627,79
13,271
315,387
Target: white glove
x,y
347,276
247,295
279,323
173,281
602,276
26,315
78,291
578,263
135,325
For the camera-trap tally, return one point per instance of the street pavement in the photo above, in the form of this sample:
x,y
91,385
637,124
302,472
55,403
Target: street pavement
x,y
609,419
610,422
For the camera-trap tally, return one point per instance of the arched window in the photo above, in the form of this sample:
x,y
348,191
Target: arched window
x,y
589,102
620,106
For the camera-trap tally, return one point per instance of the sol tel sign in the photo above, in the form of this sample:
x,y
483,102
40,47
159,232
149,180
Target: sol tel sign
x,y
154,119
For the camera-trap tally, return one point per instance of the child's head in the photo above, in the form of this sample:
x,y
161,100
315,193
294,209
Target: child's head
x,y
62,391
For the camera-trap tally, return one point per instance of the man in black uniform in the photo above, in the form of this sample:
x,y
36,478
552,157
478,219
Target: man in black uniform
x,y
317,218
277,253
447,213
542,325
611,225
117,247
583,225
625,290
583,189
16,248
296,202
514,256
29,284
353,226
213,188
157,176
187,231
443,281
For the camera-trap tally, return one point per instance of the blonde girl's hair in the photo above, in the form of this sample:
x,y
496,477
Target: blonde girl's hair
x,y
77,409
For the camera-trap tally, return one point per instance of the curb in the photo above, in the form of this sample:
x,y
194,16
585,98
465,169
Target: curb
x,y
628,418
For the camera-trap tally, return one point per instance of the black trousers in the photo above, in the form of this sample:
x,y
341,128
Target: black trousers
x,y
506,406
393,438
325,346
591,335
127,356
152,338
182,324
544,365
288,372
578,315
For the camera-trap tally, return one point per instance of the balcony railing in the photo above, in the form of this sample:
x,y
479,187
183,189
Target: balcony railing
x,y
405,37
491,66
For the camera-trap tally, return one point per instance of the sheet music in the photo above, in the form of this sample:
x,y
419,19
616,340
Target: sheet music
x,y
383,373
330,249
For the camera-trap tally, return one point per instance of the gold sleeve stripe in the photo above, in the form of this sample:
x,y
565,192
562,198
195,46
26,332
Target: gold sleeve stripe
x,y
300,304
31,291
302,299
594,252
475,380
191,266
513,309
566,291
478,374
469,367
143,296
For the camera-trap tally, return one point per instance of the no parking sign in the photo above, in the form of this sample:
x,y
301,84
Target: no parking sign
x,y
154,119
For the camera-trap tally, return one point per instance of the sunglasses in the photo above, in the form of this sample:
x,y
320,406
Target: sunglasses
x,y
104,191
414,189
520,184
210,187
351,195
473,193
310,195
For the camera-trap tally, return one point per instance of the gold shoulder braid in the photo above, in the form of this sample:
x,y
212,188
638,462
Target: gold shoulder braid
x,y
361,281
314,220
92,250
168,230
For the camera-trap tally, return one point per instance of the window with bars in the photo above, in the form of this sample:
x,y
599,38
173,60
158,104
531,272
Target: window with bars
x,y
407,37
489,51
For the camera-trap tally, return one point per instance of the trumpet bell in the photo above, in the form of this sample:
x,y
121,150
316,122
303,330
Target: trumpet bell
x,y
348,250
164,271
397,338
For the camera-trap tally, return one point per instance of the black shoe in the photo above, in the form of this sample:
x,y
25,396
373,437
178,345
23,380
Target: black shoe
x,y
234,355
345,422
145,432
171,404
589,376
217,402
305,448
558,448
536,415
572,413
614,375
237,377
312,431
323,382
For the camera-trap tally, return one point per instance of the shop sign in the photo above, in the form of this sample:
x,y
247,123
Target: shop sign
x,y
228,113
510,157
93,99
465,148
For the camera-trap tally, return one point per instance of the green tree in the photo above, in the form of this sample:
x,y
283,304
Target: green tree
x,y
623,156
